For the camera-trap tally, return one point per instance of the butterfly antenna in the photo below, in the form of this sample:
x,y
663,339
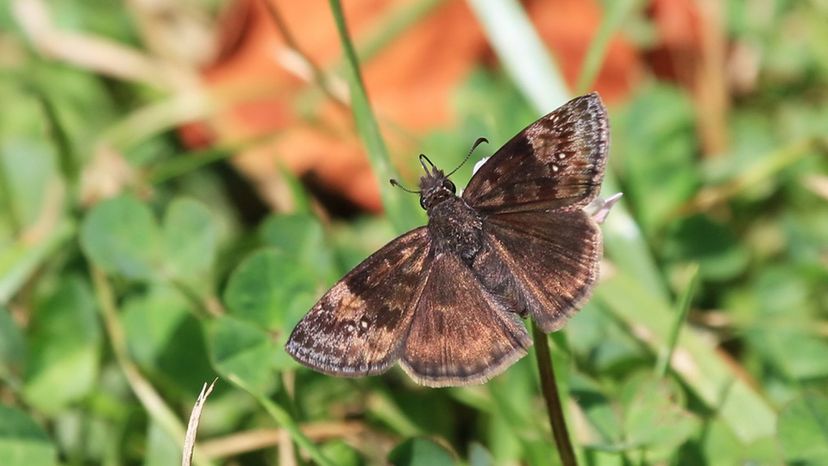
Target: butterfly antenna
x,y
474,146
423,160
397,184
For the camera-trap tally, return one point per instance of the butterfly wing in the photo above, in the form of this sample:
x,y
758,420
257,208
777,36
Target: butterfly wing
x,y
557,162
539,263
460,333
358,326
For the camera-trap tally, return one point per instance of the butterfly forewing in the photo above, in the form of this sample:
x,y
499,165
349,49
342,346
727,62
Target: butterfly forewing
x,y
550,260
555,163
460,333
359,326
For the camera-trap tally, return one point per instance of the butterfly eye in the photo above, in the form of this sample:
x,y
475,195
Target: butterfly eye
x,y
450,186
422,202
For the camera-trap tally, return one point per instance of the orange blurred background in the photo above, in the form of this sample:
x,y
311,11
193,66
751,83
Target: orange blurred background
x,y
270,53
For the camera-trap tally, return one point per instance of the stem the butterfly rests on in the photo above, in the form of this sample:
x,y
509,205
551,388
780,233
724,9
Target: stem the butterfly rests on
x,y
549,388
599,209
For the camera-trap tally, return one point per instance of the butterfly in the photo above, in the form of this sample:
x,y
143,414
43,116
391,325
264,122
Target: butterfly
x,y
446,300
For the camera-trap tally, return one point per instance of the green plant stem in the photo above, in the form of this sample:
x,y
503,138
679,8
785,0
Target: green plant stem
x,y
529,65
704,371
284,419
204,305
614,15
66,157
553,401
189,162
141,387
400,211
11,214
392,24
319,77
684,307
769,166
19,260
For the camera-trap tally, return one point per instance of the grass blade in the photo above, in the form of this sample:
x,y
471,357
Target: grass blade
x,y
150,399
397,21
702,368
400,211
67,158
684,307
614,15
506,24
640,302
284,419
529,65
20,260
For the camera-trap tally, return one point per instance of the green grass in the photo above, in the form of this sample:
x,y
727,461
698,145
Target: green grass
x,y
704,343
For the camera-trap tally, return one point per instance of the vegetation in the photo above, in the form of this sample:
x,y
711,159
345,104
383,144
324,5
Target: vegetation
x,y
135,268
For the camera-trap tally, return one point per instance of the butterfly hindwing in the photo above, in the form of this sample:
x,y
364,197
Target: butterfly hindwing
x,y
358,326
460,333
541,263
555,163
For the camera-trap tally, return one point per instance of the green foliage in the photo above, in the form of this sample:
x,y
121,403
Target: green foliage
x,y
189,239
242,350
654,419
23,441
121,236
12,347
301,238
65,342
420,452
657,153
803,431
166,339
251,296
114,312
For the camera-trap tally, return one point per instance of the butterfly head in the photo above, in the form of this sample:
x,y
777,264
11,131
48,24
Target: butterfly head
x,y
435,187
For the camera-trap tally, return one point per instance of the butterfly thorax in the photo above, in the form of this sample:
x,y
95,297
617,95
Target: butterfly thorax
x,y
454,227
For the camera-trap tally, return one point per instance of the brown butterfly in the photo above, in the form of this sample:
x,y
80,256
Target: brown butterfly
x,y
446,299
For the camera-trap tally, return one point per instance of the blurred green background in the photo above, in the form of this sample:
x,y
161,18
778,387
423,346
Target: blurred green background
x,y
136,264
